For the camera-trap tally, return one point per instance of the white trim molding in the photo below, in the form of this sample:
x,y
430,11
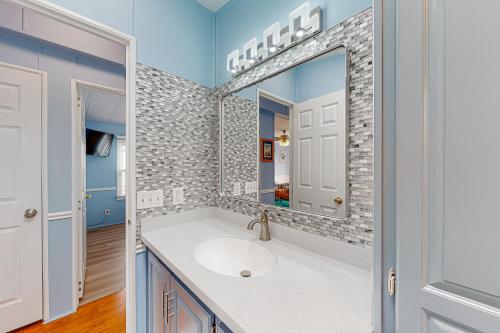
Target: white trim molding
x,y
60,215
78,21
101,189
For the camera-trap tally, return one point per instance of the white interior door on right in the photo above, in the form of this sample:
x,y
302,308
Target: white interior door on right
x,y
20,197
448,166
319,155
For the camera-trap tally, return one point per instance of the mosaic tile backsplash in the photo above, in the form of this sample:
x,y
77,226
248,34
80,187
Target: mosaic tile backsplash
x,y
176,143
240,140
177,137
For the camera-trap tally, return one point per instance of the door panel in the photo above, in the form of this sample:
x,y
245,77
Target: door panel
x,y
190,317
20,189
159,285
319,135
447,167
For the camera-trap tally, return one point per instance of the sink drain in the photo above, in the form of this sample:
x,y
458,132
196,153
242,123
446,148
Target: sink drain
x,y
245,273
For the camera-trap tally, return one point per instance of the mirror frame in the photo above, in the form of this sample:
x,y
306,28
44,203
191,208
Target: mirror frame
x,y
268,76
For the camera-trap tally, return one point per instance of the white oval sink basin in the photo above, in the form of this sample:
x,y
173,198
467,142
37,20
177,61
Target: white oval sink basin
x,y
235,257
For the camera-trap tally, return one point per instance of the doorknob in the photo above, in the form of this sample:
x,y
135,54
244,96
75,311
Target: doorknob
x,y
88,196
30,213
338,201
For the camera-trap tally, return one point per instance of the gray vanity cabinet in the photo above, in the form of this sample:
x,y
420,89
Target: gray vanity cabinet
x,y
172,309
158,291
189,316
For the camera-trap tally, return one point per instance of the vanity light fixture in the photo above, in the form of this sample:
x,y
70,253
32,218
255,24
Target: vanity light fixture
x,y
302,24
250,52
233,61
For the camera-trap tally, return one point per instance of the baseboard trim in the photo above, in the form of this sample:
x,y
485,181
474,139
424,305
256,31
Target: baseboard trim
x,y
62,315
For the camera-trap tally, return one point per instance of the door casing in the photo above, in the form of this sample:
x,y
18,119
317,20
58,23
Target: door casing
x,y
77,185
85,24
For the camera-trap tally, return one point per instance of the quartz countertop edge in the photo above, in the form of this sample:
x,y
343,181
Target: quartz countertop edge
x,y
333,296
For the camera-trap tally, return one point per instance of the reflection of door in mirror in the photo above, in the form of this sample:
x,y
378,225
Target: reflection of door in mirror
x,y
319,154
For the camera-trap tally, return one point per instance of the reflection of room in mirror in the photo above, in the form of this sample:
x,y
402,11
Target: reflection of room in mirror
x,y
303,110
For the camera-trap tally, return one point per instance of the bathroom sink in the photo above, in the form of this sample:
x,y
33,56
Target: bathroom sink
x,y
235,257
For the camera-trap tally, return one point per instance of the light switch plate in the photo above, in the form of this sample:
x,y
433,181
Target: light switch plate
x,y
237,189
178,195
142,201
149,199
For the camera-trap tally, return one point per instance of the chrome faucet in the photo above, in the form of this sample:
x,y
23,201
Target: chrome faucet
x,y
264,226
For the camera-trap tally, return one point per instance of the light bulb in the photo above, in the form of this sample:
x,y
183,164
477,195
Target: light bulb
x,y
300,33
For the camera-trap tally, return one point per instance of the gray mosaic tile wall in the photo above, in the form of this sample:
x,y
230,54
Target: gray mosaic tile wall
x,y
356,34
177,137
240,144
176,143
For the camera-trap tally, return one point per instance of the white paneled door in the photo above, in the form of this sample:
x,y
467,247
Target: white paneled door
x,y
448,166
20,198
319,155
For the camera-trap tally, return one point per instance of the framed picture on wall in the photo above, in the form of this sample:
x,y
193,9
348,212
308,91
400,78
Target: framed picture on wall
x,y
266,150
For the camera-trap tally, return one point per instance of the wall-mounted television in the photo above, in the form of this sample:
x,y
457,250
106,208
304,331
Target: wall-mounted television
x,y
98,143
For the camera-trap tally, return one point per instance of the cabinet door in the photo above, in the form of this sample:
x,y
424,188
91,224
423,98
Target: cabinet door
x,y
158,289
190,317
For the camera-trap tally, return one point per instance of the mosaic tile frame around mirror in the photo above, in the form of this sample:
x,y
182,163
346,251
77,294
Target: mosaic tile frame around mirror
x,y
243,120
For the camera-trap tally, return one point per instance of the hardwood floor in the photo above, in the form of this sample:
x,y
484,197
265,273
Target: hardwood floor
x,y
104,315
105,262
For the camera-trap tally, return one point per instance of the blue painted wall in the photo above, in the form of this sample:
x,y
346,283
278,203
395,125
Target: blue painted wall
x,y
61,65
282,85
177,36
240,20
266,131
320,77
117,14
141,291
101,172
60,272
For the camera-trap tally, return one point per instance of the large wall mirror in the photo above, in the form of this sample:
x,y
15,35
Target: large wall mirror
x,y
284,140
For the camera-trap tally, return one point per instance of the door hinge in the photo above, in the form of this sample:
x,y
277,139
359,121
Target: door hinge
x,y
391,281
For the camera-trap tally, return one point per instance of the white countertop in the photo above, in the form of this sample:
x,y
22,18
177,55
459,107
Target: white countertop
x,y
306,292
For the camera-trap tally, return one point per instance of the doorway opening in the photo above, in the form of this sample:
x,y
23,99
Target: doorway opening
x,y
100,140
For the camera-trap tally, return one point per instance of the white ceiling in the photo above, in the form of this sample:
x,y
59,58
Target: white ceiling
x,y
213,5
103,106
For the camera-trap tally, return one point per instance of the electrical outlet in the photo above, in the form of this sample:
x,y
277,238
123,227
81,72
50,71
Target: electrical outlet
x,y
178,195
250,187
107,212
157,198
237,189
